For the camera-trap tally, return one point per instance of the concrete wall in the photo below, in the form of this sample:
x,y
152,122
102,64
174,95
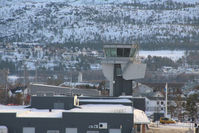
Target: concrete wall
x,y
134,71
108,71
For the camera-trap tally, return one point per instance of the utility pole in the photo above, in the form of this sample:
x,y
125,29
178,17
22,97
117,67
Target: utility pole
x,y
166,88
25,74
6,72
36,74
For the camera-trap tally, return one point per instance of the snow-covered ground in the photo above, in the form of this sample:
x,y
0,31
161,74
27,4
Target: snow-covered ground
x,y
174,55
177,125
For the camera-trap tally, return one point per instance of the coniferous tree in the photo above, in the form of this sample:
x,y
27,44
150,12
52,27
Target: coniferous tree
x,y
191,106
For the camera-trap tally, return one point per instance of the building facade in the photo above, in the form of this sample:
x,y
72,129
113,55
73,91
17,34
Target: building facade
x,y
69,115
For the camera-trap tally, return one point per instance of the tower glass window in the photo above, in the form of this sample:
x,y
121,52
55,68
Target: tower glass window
x,y
111,52
133,52
126,52
118,69
120,52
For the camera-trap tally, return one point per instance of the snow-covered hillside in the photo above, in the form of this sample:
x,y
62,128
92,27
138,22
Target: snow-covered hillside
x,y
115,21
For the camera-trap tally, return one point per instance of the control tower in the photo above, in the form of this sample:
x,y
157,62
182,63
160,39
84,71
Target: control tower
x,y
120,66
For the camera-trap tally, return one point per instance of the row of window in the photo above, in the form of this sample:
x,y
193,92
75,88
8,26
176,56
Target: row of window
x,y
120,52
154,108
160,102
32,130
67,130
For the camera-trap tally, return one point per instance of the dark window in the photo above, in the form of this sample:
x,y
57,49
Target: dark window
x,y
165,119
118,70
162,103
52,131
138,127
120,52
126,52
92,132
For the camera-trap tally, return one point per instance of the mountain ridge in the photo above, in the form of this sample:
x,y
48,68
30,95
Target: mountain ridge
x,y
58,21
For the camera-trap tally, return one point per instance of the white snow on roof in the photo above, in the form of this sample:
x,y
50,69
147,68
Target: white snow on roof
x,y
3,127
21,111
106,100
35,113
140,117
103,108
43,85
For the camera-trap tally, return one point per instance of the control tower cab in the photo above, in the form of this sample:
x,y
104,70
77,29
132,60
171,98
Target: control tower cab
x,y
120,66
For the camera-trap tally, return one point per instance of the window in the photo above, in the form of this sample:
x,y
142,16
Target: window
x,y
28,130
162,103
138,127
114,130
111,52
71,130
92,132
120,52
118,70
52,131
126,52
165,119
132,53
157,102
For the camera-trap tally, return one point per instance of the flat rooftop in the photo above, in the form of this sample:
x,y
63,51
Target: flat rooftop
x,y
107,100
23,112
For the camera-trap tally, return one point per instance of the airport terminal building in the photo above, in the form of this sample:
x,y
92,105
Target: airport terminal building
x,y
69,115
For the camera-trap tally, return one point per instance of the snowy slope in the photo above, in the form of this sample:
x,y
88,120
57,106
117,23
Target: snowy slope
x,y
117,21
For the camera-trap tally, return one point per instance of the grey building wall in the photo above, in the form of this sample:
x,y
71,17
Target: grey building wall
x,y
156,116
81,121
139,103
41,102
121,85
49,90
52,102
